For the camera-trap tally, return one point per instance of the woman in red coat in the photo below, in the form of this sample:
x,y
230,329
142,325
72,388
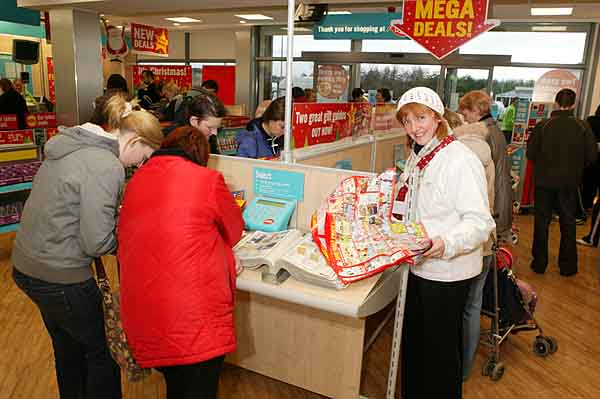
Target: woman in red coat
x,y
178,225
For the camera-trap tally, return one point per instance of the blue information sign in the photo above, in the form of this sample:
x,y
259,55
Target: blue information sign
x,y
278,184
357,26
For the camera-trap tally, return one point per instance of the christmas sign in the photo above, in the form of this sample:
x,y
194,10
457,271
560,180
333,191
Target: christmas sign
x,y
149,40
442,26
180,74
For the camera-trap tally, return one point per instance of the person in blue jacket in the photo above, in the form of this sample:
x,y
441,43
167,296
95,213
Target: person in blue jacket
x,y
263,137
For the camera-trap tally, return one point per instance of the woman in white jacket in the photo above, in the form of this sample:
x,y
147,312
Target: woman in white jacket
x,y
443,187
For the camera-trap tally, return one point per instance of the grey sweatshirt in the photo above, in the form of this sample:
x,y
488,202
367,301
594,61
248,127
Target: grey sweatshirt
x,y
69,217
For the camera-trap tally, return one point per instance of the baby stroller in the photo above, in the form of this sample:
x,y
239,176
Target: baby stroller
x,y
510,303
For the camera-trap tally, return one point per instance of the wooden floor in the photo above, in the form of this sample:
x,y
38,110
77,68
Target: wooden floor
x,y
568,309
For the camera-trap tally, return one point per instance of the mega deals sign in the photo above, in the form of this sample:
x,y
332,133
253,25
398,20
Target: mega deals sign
x,y
149,40
442,26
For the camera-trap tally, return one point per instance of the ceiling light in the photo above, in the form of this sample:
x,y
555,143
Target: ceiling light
x,y
549,28
183,19
119,26
338,13
176,24
243,22
299,29
552,11
253,17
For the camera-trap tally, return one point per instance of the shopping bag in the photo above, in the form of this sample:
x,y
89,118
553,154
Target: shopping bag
x,y
115,335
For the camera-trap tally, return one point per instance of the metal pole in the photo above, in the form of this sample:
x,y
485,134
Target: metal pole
x,y
287,149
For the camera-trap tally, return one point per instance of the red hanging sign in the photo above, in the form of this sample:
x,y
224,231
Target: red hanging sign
x,y
314,123
180,74
51,87
41,120
15,137
442,26
8,122
149,40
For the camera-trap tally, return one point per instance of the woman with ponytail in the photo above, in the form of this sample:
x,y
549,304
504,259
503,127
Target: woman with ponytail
x,y
69,219
179,262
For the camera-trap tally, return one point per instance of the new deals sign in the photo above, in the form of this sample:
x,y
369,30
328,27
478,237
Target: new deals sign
x,y
149,40
442,26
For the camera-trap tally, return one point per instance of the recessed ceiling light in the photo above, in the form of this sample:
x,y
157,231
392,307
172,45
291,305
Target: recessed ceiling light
x,y
176,24
338,13
243,22
549,28
253,17
552,11
183,19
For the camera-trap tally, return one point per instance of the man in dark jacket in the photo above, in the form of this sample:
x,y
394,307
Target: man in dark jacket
x,y
12,102
560,149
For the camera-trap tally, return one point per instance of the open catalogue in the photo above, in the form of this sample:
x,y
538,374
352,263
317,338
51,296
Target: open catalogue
x,y
290,250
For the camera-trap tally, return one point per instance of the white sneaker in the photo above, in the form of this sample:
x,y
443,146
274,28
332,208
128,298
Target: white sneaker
x,y
583,242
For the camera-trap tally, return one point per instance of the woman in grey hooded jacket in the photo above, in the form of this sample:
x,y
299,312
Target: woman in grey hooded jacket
x,y
69,219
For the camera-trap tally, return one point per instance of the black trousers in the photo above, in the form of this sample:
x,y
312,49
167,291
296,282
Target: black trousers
x,y
565,202
432,339
193,381
73,316
591,184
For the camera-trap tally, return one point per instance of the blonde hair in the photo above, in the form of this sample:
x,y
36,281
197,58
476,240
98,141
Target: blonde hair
x,y
452,118
146,126
420,109
476,100
114,109
171,88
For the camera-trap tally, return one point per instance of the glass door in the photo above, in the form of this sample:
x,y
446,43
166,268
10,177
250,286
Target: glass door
x,y
459,81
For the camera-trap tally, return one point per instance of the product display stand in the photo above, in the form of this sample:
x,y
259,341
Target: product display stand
x,y
369,153
299,333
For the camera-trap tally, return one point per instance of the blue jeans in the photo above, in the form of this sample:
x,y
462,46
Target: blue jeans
x,y
72,314
472,314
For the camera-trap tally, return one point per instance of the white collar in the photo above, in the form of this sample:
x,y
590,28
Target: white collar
x,y
90,127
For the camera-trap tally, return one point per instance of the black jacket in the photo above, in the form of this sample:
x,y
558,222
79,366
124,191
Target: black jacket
x,y
11,102
594,122
560,149
502,182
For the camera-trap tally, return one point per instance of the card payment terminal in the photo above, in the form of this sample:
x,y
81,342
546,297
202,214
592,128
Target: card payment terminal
x,y
269,214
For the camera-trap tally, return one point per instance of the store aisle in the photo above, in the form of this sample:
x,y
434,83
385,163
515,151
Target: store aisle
x,y
568,309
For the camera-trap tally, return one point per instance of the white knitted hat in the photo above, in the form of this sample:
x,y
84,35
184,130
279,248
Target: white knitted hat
x,y
422,95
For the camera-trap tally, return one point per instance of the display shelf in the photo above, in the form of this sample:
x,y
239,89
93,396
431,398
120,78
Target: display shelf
x,y
11,188
7,228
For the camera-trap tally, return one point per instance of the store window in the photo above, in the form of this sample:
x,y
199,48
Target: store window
x,y
392,46
511,82
275,73
398,78
531,47
307,43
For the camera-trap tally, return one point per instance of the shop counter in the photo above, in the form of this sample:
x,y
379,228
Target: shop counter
x,y
305,335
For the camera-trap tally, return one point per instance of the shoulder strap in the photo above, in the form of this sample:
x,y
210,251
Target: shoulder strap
x,y
100,272
427,158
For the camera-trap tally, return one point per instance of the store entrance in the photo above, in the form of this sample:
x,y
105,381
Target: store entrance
x,y
458,81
